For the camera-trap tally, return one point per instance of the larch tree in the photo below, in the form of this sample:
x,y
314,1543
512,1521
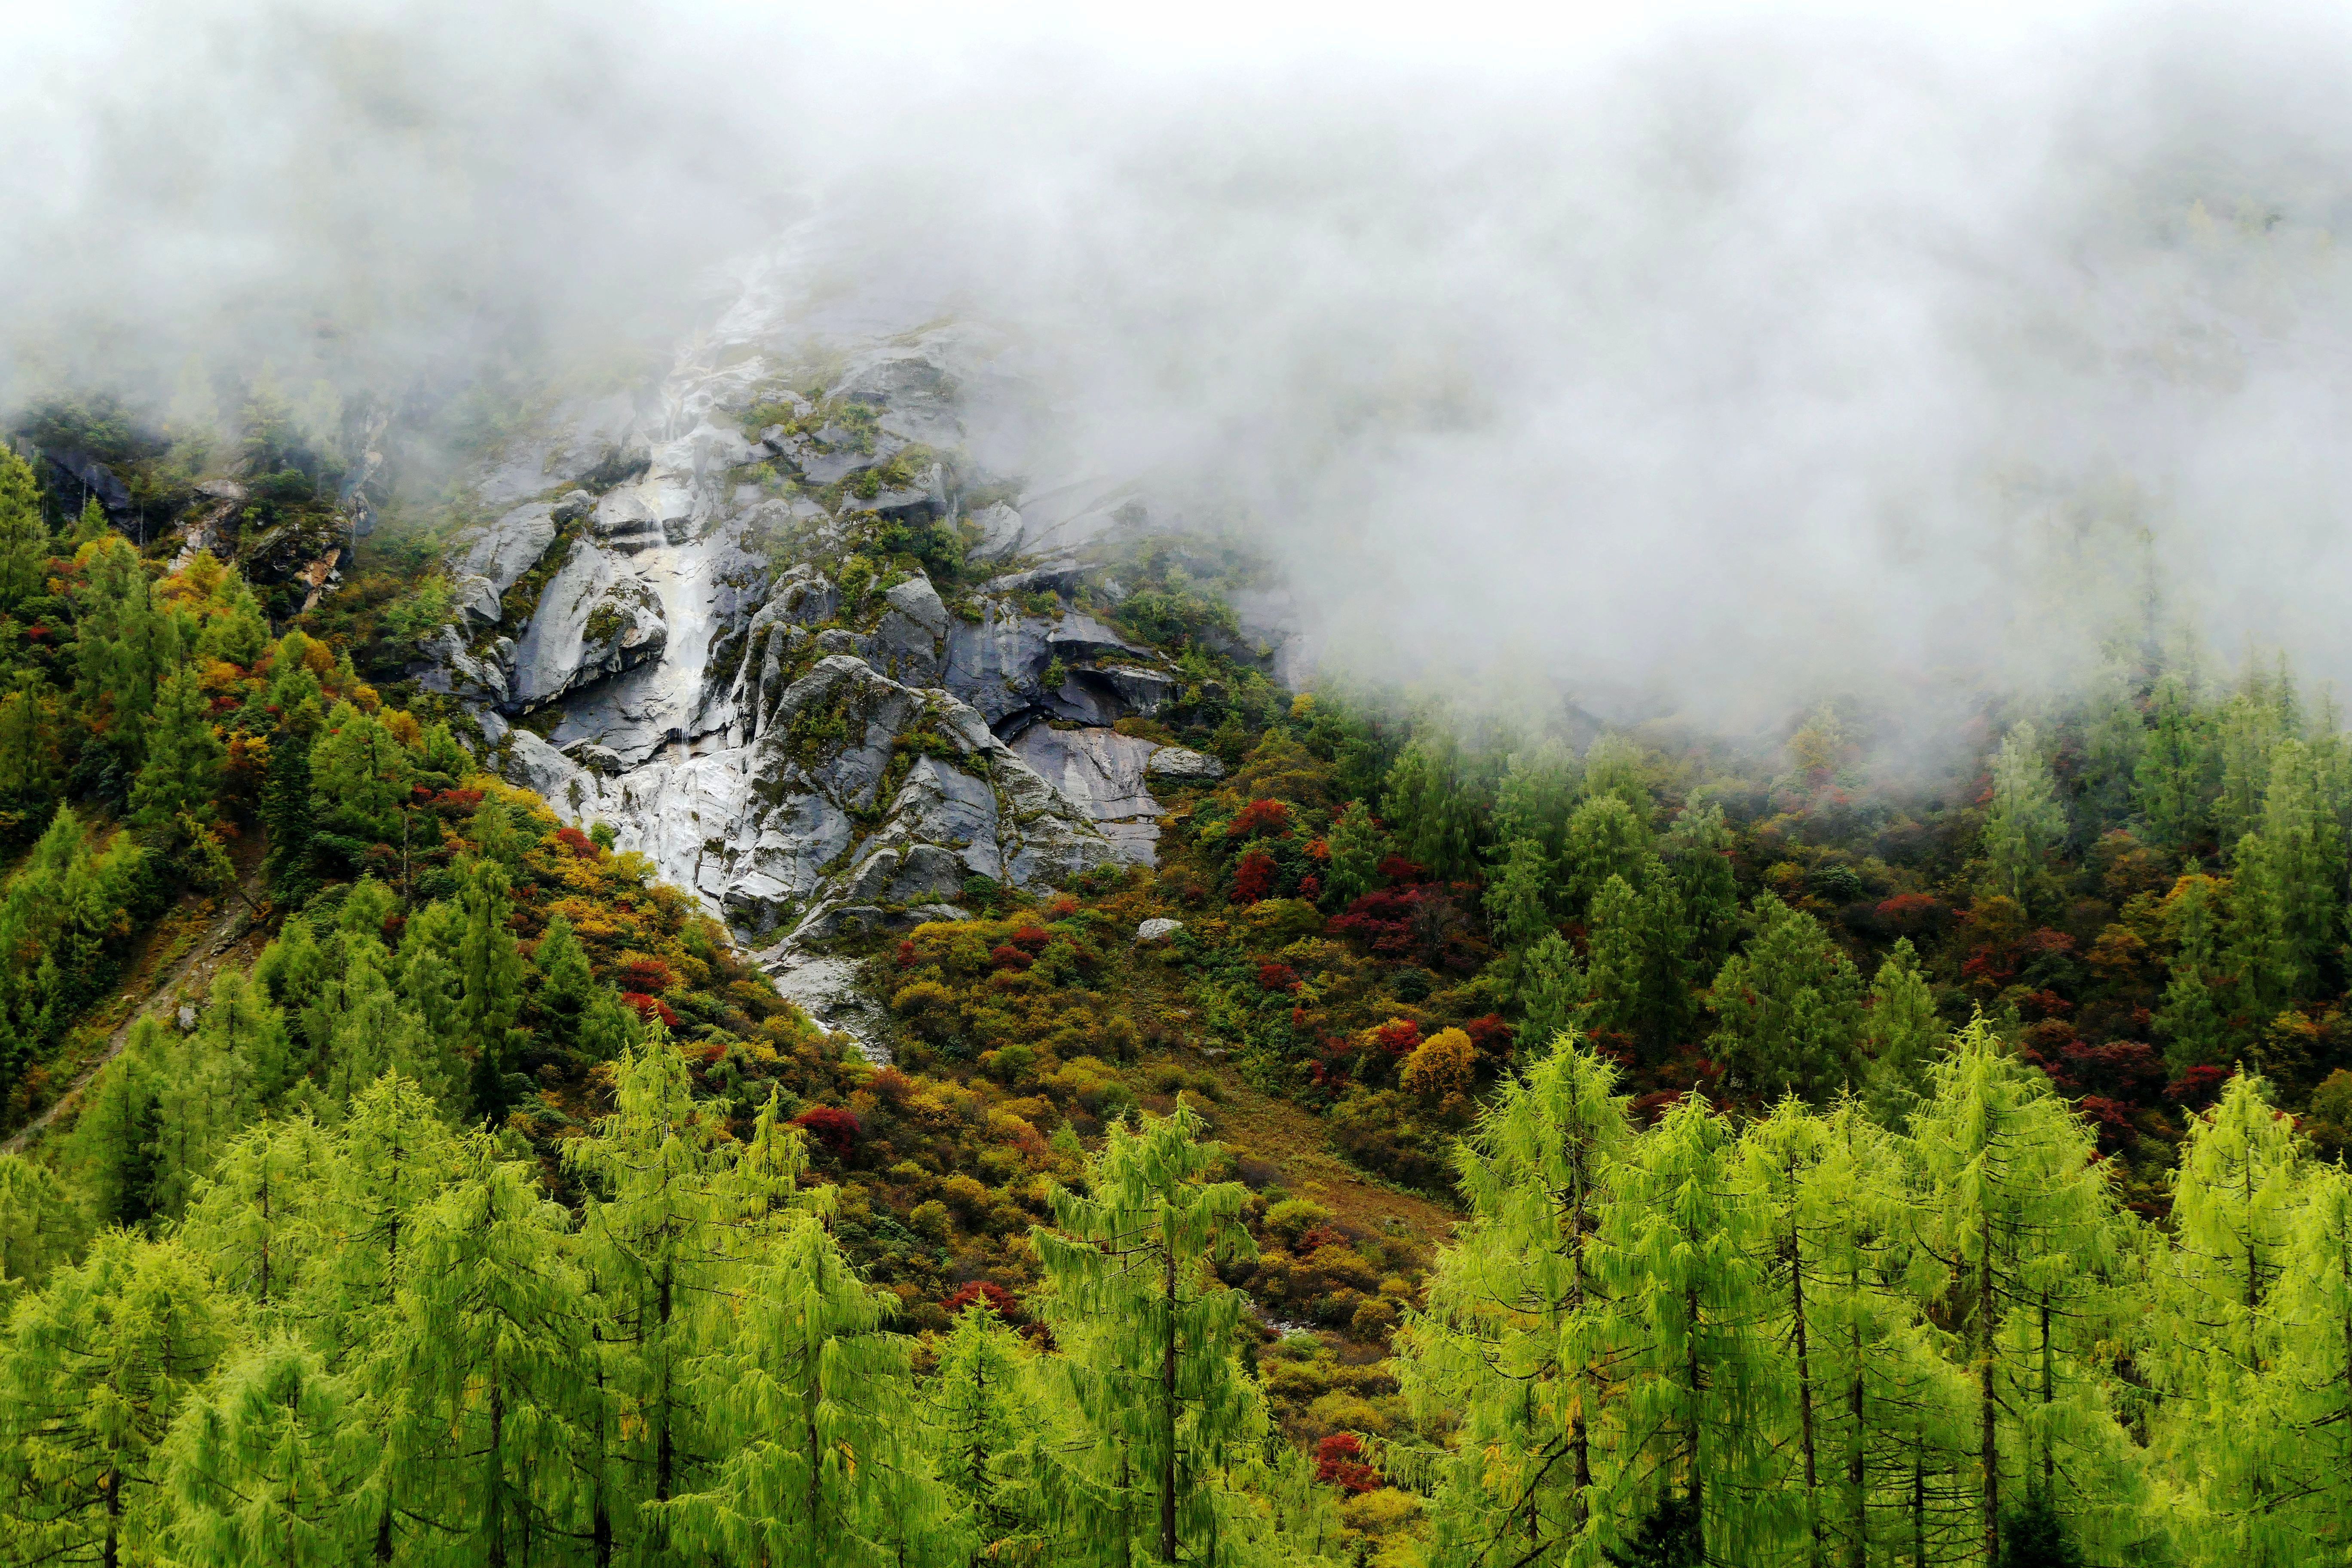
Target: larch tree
x,y
1787,1008
1676,1252
1901,1033
255,1218
1151,1369
816,1459
96,1368
392,1156
181,776
1518,1338
2171,780
494,1309
259,1466
2221,1347
489,979
2025,822
654,1243
986,1427
2017,1207
41,1227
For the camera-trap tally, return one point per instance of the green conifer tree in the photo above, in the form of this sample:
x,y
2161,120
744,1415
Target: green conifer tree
x,y
1518,1338
182,774
1787,1008
95,1367
1150,1372
1901,1033
2025,823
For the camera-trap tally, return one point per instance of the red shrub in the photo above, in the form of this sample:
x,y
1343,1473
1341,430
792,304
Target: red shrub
x,y
1398,1037
1061,906
906,955
1315,1237
1318,849
579,842
650,1007
1490,1035
2049,1004
988,1295
456,802
1310,887
890,1086
2197,1087
1270,816
646,974
1254,877
1007,956
1395,868
1032,938
1911,913
1339,1462
1273,976
831,1126
2111,1120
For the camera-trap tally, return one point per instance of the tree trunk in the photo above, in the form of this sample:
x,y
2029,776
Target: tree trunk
x,y
1988,1443
1167,1421
495,1505
113,1485
2049,1398
664,1449
1695,1485
1804,1377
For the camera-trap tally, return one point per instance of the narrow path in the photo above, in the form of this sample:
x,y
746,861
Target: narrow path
x,y
231,922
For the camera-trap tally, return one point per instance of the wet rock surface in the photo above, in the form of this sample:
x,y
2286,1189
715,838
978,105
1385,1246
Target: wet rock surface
x,y
681,618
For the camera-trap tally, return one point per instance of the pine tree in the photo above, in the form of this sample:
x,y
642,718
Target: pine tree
x,y
2015,1201
121,647
1517,1336
1535,798
565,987
2172,777
285,810
359,779
814,1464
41,1227
97,1366
1605,839
182,774
1433,807
1552,989
652,1239
2025,822
1614,768
1787,1008
1517,899
250,1035
1358,846
1697,854
1676,1252
24,535
1159,1404
2190,1022
1901,1033
258,1466
494,1309
489,976
1638,966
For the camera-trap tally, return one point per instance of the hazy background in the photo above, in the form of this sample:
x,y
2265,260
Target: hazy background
x,y
1701,361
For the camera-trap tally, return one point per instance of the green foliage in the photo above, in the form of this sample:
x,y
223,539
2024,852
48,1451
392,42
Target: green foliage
x,y
1787,1008
2025,823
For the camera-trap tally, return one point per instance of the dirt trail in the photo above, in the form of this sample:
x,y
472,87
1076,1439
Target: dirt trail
x,y
232,921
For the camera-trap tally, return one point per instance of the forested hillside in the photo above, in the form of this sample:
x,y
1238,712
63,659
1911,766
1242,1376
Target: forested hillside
x,y
1473,1139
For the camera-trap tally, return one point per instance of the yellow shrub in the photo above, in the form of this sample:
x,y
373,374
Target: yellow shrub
x,y
1440,1065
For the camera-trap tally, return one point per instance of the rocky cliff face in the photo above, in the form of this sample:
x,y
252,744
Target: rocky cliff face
x,y
781,624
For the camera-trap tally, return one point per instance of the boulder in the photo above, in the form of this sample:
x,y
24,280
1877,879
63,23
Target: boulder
x,y
1176,764
1158,930
499,553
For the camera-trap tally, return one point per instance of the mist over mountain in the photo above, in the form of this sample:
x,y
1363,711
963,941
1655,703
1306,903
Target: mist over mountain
x,y
1707,367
